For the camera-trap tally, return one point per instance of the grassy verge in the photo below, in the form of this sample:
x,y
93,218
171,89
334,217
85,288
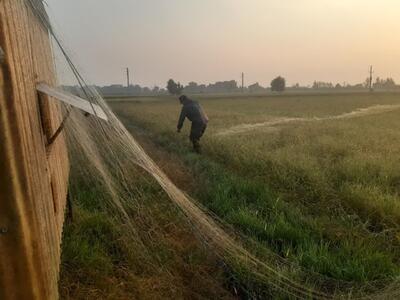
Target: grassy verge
x,y
338,248
102,259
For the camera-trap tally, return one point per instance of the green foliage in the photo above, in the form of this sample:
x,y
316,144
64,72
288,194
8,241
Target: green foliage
x,y
250,206
102,258
174,88
278,84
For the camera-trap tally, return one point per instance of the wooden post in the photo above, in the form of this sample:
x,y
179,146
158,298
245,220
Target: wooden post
x,y
242,82
371,72
33,177
128,82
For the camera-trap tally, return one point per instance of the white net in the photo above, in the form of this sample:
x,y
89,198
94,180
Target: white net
x,y
104,154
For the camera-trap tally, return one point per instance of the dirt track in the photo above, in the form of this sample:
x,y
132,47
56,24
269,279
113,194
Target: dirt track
x,y
361,112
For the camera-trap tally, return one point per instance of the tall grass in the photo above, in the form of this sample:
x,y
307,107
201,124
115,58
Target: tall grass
x,y
100,259
324,195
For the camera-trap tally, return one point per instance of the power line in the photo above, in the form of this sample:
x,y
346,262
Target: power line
x,y
371,71
128,83
242,82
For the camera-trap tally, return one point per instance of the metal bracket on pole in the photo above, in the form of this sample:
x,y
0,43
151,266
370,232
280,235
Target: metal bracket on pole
x,y
72,100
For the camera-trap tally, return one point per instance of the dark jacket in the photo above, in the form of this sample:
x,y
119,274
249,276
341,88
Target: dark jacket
x,y
194,112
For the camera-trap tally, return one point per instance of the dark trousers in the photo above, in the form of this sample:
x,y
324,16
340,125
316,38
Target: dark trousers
x,y
196,133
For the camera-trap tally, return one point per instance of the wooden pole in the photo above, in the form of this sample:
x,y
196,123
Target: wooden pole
x,y
370,79
34,177
242,82
127,78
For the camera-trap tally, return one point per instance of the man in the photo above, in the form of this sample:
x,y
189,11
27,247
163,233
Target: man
x,y
195,113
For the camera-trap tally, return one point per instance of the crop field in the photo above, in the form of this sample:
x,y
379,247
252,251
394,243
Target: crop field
x,y
315,178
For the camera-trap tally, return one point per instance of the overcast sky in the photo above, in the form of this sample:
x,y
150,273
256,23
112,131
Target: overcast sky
x,y
212,40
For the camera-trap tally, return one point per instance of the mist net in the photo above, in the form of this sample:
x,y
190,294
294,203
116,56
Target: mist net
x,y
104,154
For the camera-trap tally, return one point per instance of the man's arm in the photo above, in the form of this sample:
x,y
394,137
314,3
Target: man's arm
x,y
181,118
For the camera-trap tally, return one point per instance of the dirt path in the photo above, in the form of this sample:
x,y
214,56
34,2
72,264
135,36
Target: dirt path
x,y
361,112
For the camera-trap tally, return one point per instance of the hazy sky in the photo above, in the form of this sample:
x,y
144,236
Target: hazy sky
x,y
211,40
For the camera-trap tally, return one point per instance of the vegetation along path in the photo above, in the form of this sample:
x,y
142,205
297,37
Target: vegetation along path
x,y
307,193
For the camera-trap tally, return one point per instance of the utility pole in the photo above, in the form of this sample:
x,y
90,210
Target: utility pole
x,y
242,82
128,83
371,71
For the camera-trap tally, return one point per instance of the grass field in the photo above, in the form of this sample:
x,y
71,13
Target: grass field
x,y
302,175
314,178
102,260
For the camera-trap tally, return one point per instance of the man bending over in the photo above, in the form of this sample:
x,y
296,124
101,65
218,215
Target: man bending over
x,y
194,112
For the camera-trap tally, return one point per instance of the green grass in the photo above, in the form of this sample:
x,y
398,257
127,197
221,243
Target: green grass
x,y
102,259
251,207
323,194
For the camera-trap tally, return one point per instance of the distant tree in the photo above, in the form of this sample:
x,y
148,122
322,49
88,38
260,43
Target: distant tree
x,y
171,86
390,82
192,84
387,83
192,88
174,88
338,86
366,83
296,86
278,84
315,85
322,85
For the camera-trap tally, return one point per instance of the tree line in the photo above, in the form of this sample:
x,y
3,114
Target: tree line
x,y
277,85
231,86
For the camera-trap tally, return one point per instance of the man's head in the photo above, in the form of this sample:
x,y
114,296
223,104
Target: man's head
x,y
183,99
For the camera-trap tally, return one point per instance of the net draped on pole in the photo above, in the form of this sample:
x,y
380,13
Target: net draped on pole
x,y
106,154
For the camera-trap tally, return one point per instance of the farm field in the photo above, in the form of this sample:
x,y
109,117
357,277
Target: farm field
x,y
314,178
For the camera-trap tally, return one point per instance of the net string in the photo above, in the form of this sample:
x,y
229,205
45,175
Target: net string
x,y
104,144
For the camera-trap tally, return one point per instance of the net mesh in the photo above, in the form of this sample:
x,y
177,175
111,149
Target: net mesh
x,y
106,155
